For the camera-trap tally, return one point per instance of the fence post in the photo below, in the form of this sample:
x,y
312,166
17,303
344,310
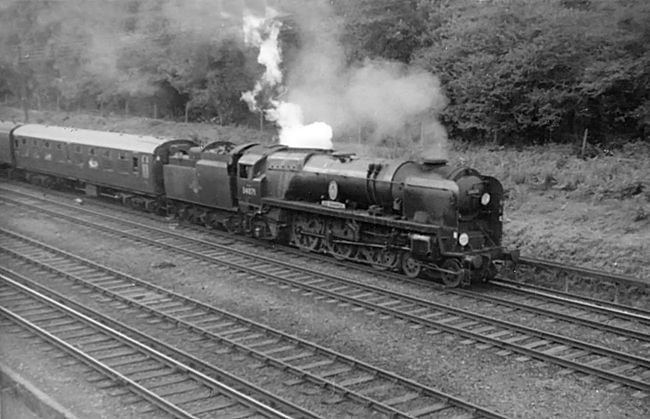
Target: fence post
x,y
359,134
584,142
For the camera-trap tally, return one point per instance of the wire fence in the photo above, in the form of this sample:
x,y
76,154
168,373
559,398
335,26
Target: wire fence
x,y
140,107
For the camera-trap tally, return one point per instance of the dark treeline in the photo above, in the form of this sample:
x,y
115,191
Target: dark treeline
x,y
513,70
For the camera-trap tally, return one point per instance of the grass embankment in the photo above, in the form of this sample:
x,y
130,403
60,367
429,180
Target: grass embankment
x,y
592,212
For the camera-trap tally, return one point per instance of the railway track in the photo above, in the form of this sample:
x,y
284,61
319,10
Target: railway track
x,y
617,286
564,278
309,364
618,367
621,320
164,384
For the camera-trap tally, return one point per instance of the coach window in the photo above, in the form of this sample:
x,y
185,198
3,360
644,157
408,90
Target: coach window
x,y
47,144
107,164
135,165
91,151
78,156
122,162
37,153
60,154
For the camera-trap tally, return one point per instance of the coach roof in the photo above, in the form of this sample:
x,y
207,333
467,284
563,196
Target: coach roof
x,y
105,139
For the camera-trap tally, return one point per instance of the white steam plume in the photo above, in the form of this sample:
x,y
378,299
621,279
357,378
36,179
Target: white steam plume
x,y
263,32
259,33
383,97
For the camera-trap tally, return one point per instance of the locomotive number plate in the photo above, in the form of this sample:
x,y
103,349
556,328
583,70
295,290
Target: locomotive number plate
x,y
248,191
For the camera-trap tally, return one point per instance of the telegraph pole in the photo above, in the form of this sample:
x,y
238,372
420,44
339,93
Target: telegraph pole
x,y
23,82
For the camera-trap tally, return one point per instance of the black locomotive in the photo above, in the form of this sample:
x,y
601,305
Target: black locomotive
x,y
409,216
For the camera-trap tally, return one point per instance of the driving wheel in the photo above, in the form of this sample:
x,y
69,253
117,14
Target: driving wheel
x,y
411,266
453,277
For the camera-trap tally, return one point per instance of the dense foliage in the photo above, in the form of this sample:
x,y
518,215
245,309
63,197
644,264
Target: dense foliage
x,y
513,70
543,70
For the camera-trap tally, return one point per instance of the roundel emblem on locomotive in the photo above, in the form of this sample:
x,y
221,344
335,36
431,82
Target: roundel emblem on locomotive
x,y
333,190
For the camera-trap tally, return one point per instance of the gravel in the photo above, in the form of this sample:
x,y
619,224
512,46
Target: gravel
x,y
518,389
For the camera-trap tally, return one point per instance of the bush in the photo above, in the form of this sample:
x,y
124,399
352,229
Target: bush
x,y
533,72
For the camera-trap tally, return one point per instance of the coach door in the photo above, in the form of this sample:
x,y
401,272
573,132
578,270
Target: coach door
x,y
140,168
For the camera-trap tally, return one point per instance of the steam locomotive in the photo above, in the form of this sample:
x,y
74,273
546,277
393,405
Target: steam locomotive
x,y
407,216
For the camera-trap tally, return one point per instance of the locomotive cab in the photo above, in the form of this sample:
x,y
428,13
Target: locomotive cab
x,y
251,176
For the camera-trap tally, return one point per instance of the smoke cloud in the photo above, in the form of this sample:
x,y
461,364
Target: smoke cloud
x,y
384,98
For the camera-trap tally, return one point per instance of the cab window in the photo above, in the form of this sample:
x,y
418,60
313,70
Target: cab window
x,y
257,170
243,171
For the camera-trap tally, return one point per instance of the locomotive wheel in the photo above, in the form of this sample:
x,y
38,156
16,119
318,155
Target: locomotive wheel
x,y
389,258
184,213
232,224
48,182
210,221
452,280
339,230
371,255
411,266
309,225
381,259
160,209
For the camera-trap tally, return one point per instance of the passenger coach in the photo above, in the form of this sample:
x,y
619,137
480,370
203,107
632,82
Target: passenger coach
x,y
97,161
